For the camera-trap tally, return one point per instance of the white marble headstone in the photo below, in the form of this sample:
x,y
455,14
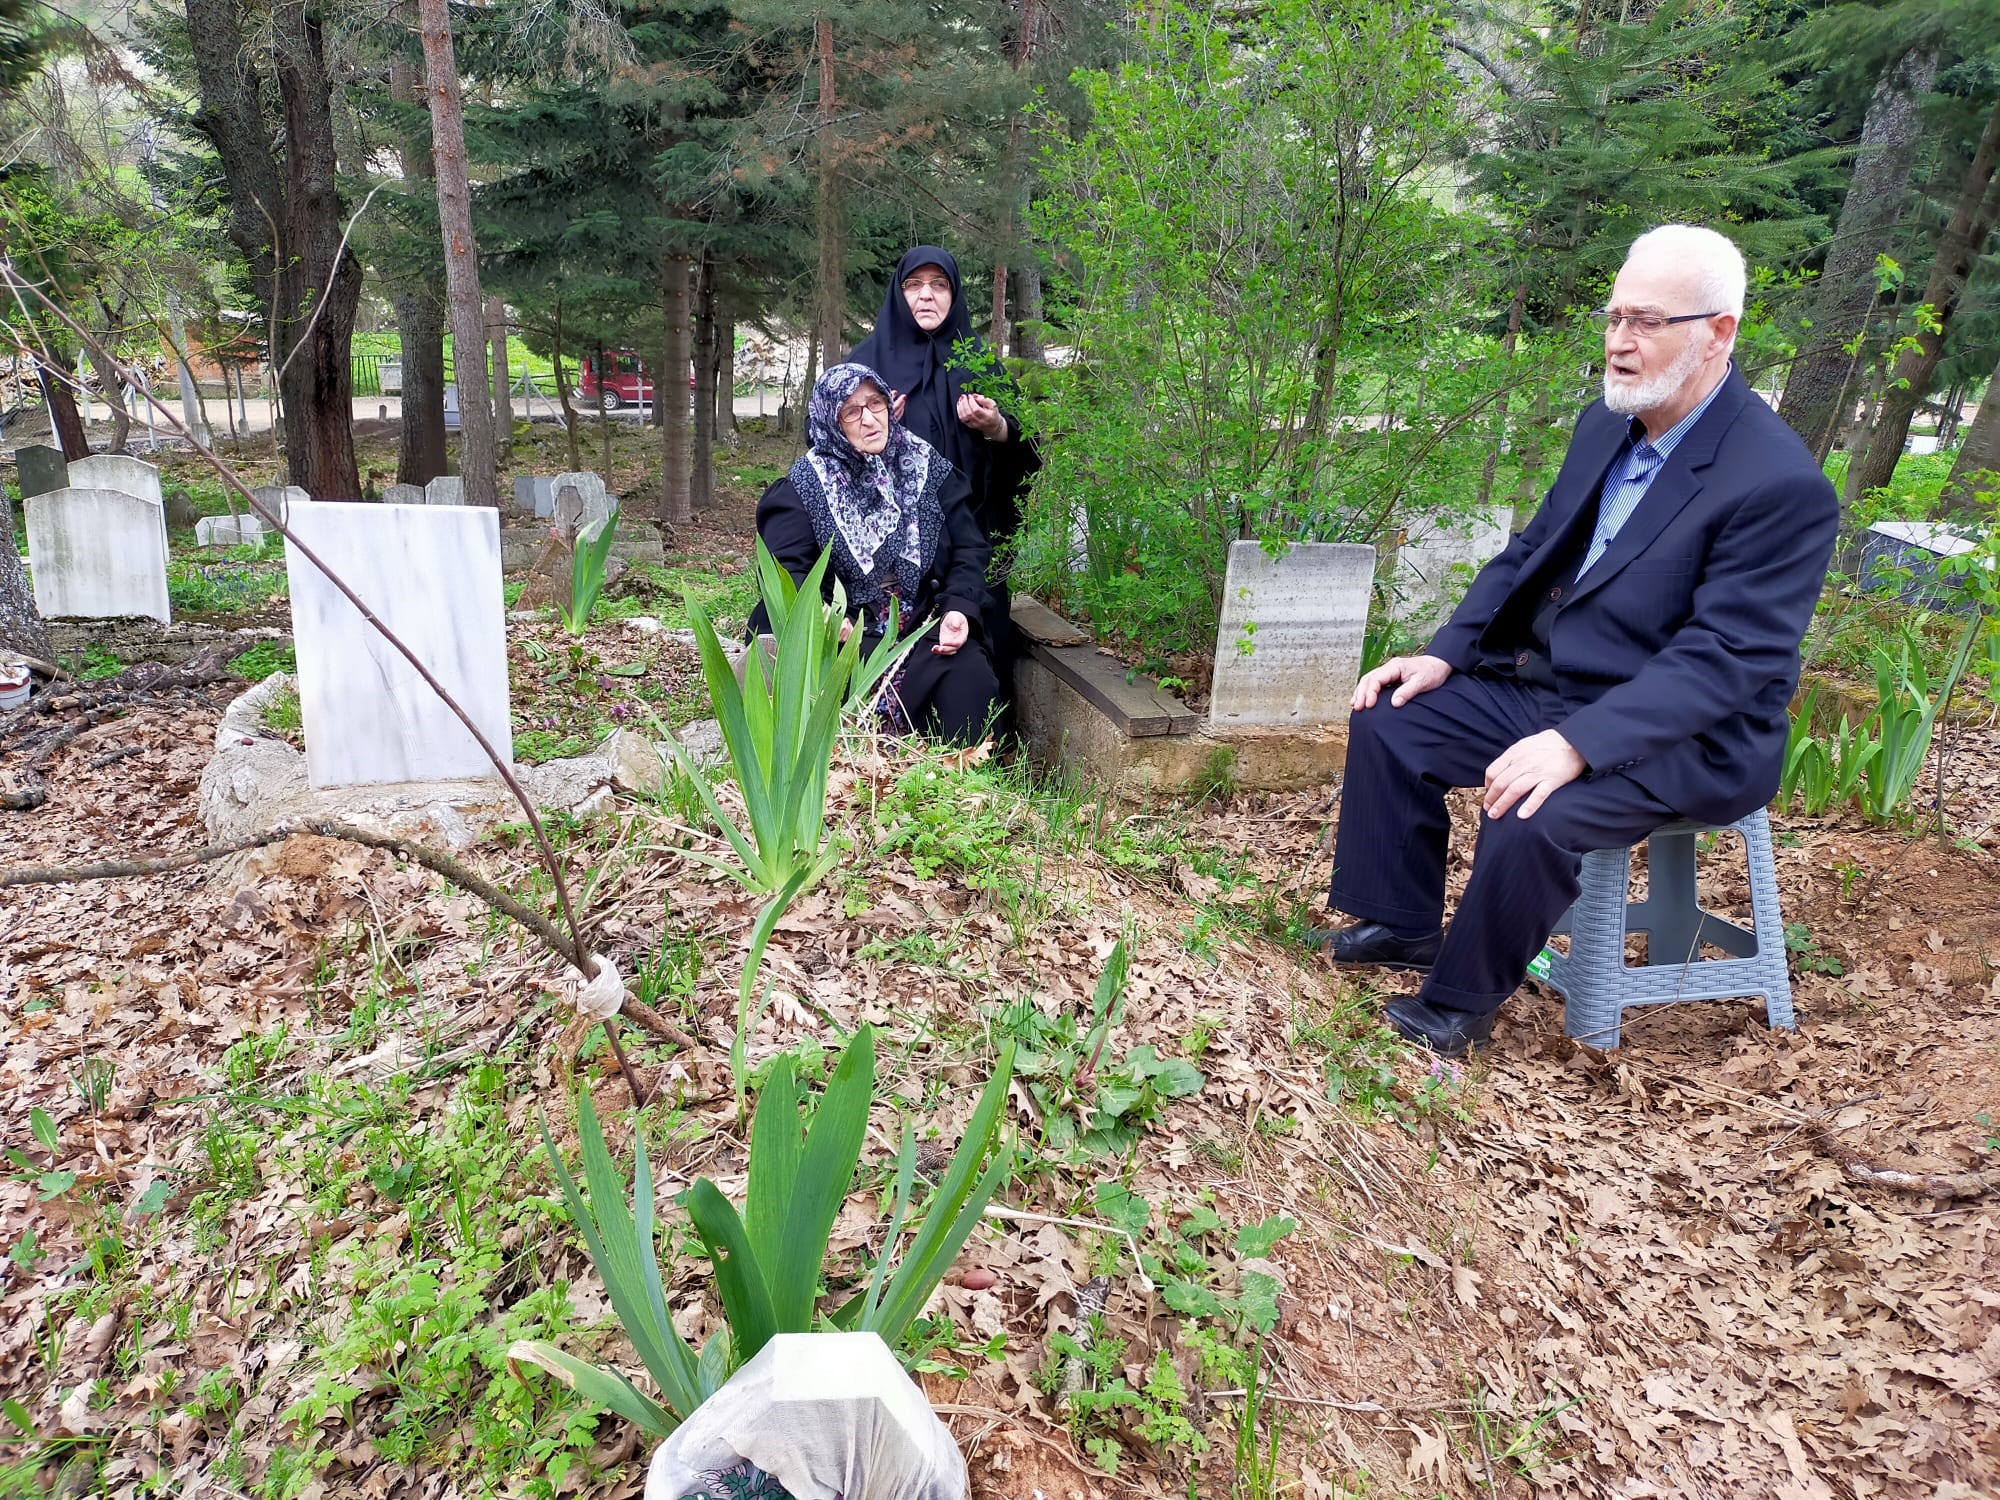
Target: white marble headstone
x,y
1288,646
1440,555
230,531
97,554
121,471
432,574
404,494
598,507
446,489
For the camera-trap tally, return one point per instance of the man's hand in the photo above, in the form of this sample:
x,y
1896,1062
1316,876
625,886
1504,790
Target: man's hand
x,y
1531,768
897,401
983,415
1417,674
953,631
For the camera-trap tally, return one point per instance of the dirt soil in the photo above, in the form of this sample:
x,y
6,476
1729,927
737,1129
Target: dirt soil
x,y
1637,1273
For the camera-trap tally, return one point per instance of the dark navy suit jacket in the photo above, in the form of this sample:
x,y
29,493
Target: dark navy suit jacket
x,y
1678,653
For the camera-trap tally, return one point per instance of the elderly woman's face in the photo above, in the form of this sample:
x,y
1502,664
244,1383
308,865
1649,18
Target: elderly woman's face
x,y
864,417
928,291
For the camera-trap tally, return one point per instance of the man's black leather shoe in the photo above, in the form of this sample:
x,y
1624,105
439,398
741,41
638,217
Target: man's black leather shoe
x,y
1372,943
1449,1033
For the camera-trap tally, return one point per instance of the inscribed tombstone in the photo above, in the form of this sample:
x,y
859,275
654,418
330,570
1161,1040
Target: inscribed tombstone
x,y
597,507
97,554
1440,555
431,573
404,494
1288,645
446,489
42,469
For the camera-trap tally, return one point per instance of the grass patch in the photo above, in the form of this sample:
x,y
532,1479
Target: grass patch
x,y
282,714
239,580
262,659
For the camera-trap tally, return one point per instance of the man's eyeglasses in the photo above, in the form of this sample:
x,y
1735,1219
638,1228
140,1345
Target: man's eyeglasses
x,y
1643,324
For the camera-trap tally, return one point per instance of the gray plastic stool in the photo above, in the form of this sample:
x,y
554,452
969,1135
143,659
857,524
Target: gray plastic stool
x,y
1596,983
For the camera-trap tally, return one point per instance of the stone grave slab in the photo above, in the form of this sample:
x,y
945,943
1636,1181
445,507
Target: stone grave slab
x,y
446,489
117,471
432,574
230,531
41,468
1439,556
1288,645
597,508
535,495
280,498
97,554
404,494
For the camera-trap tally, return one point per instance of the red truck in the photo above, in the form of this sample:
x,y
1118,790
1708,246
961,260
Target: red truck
x,y
624,380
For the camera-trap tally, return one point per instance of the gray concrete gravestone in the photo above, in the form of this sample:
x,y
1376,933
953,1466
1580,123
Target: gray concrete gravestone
x,y
404,494
41,468
1440,555
1288,646
446,489
97,554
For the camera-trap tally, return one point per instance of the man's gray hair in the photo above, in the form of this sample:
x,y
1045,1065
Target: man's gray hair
x,y
1719,275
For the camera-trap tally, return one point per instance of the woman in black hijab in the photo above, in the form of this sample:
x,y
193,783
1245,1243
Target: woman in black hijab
x,y
893,510
923,321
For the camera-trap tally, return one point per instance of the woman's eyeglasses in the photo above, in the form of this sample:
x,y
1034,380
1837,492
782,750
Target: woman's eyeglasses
x,y
876,411
937,286
1643,324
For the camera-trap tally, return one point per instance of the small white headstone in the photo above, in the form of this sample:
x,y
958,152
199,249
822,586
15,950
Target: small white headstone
x,y
598,507
432,575
446,489
97,554
404,494
116,471
230,531
1288,646
1439,557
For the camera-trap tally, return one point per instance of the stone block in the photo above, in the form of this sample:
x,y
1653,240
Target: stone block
x,y
1288,645
117,471
404,494
446,489
98,554
230,531
432,574
41,468
1438,558
594,507
280,498
535,495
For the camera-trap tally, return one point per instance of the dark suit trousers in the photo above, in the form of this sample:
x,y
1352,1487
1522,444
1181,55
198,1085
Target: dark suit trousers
x,y
1389,861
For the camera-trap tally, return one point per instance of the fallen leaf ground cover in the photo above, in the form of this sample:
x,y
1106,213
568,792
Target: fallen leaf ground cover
x,y
277,1202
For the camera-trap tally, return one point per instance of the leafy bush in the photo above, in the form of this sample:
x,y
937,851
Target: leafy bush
x,y
769,1260
587,562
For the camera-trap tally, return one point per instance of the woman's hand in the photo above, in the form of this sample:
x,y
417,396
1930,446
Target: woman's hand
x,y
983,415
953,631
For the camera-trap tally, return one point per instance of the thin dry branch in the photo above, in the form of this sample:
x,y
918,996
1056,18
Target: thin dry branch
x,y
1928,1184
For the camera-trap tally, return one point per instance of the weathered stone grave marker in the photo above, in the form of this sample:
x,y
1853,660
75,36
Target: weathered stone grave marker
x,y
122,472
404,494
230,531
597,507
446,489
535,495
97,554
280,498
1440,554
431,573
41,468
1288,646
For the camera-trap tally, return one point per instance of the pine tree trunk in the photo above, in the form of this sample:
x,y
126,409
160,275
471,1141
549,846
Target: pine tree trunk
x,y
21,627
1028,310
725,375
503,405
1976,470
830,287
461,255
1973,216
701,475
1820,390
670,395
420,325
63,415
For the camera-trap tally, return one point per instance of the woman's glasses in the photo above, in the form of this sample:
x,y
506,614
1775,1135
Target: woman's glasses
x,y
874,410
937,286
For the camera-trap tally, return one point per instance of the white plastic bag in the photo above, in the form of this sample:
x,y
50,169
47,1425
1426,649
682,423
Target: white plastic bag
x,y
831,1416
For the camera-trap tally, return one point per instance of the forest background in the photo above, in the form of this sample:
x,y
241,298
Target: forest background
x,y
1307,269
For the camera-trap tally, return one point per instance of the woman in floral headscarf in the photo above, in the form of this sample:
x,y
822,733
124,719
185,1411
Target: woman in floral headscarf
x,y
896,514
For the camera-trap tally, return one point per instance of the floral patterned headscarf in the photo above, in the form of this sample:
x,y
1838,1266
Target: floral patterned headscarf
x,y
881,510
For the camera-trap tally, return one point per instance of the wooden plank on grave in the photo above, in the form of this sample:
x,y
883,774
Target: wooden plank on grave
x,y
1139,707
1038,622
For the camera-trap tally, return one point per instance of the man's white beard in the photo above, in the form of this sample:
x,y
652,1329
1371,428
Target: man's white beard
x,y
1630,400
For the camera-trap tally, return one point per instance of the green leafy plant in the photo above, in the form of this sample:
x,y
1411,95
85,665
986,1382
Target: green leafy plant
x,y
1906,714
587,563
769,1259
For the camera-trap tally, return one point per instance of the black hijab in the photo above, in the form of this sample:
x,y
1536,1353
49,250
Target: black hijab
x,y
918,364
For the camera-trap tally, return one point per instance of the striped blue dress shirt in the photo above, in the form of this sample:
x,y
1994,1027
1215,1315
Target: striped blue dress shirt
x,y
1629,479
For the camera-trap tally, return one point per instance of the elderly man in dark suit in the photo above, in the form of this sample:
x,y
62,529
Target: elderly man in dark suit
x,y
1626,661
